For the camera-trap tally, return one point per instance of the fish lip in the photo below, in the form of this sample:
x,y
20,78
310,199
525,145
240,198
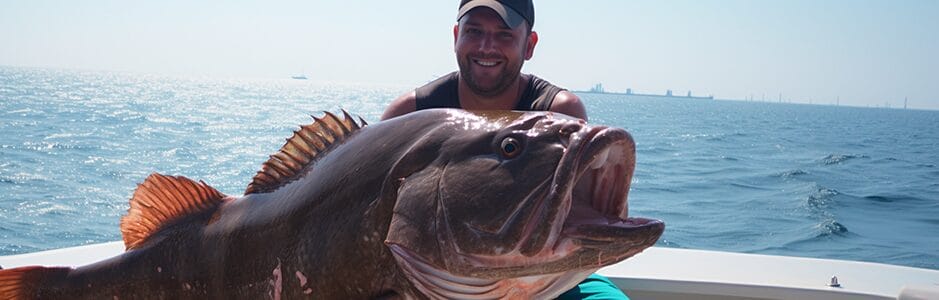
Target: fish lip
x,y
601,221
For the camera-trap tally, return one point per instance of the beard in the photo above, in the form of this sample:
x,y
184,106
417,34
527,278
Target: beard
x,y
506,76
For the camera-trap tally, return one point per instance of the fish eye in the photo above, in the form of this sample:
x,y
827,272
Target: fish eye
x,y
510,147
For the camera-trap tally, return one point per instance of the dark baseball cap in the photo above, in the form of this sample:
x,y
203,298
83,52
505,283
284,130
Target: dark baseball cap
x,y
513,12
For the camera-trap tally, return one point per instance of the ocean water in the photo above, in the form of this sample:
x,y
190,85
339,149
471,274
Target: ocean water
x,y
800,180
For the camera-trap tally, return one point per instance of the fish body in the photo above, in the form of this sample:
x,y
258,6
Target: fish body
x,y
434,204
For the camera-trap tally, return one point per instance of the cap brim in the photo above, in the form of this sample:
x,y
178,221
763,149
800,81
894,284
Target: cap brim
x,y
511,18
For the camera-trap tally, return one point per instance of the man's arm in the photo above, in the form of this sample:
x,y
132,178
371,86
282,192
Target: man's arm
x,y
569,104
403,104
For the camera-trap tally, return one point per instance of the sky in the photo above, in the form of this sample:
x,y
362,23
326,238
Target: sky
x,y
859,52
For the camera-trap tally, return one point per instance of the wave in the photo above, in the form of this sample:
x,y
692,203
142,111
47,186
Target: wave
x,y
751,186
825,229
892,198
823,232
792,173
722,137
833,159
656,149
821,198
662,189
830,227
49,147
668,243
22,178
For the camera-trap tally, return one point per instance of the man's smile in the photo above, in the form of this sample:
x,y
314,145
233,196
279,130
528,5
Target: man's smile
x,y
487,62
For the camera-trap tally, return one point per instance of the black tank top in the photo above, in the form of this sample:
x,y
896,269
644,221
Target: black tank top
x,y
442,93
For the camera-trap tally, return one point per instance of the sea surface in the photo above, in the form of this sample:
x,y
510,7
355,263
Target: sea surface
x,y
799,180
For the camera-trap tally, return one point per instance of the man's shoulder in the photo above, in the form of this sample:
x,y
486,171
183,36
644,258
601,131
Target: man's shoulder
x,y
441,92
570,104
443,82
404,104
566,96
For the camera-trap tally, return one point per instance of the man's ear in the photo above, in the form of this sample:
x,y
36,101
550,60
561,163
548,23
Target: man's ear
x,y
532,41
456,32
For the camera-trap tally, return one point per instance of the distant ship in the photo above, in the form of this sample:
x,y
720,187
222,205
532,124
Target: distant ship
x,y
598,89
301,77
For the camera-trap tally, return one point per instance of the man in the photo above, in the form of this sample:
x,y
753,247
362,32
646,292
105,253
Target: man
x,y
492,39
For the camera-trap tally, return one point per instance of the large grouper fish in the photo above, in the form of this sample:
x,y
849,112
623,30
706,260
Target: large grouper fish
x,y
439,203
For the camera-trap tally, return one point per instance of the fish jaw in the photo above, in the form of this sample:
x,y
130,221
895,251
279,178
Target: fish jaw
x,y
436,283
598,224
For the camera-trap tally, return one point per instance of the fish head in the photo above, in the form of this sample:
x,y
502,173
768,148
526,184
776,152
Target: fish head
x,y
536,197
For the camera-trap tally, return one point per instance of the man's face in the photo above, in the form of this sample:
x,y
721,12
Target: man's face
x,y
490,54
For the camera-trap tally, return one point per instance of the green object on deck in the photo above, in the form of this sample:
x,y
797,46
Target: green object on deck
x,y
594,287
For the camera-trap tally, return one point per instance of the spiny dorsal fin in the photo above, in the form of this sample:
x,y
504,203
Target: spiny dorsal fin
x,y
160,199
301,150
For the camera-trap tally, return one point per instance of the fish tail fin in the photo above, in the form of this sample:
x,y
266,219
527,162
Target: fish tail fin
x,y
26,282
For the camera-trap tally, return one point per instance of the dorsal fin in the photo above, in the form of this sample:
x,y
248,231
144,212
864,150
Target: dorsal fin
x,y
301,150
160,199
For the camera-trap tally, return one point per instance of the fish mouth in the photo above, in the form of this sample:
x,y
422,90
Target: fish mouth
x,y
598,217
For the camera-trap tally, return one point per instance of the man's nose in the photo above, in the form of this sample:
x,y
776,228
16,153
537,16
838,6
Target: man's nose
x,y
488,43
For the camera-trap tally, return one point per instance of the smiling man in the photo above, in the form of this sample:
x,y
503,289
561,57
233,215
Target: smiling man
x,y
492,40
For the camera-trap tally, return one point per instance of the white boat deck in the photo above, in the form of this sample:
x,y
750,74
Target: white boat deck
x,y
667,273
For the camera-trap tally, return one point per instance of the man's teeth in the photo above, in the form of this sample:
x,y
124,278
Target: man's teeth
x,y
601,159
487,63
